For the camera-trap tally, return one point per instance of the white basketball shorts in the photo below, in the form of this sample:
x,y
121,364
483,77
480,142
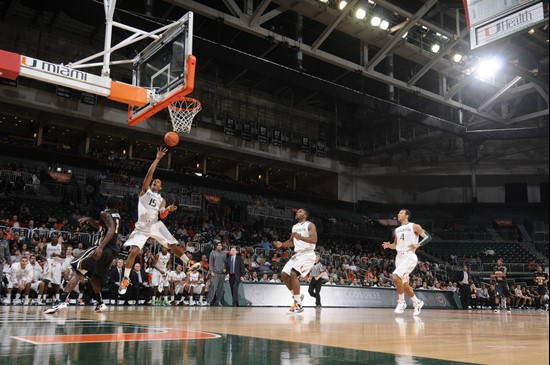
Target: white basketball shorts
x,y
158,279
301,262
405,262
155,230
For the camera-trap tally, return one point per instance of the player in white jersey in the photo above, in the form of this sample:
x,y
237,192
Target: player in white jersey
x,y
405,243
161,281
54,263
20,279
177,282
151,206
303,238
37,285
195,285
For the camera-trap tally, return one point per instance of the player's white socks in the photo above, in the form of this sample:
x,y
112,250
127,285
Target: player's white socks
x,y
57,296
291,293
17,296
166,298
172,298
127,272
401,297
297,299
39,298
414,299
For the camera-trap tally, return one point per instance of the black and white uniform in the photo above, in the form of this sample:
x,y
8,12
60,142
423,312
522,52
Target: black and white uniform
x,y
406,260
148,224
304,253
501,285
540,280
85,262
53,267
160,280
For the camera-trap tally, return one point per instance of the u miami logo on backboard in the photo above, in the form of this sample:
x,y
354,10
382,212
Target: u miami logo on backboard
x,y
28,61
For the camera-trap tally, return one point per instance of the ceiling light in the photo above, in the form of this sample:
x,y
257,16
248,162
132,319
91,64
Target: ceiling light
x,y
375,21
457,57
342,5
531,31
384,25
487,67
324,1
435,48
405,35
360,14
371,2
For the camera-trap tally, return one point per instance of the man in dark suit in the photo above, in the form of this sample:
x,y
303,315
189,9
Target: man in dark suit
x,y
464,280
139,285
115,277
235,268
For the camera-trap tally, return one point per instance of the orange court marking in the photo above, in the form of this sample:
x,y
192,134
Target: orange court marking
x,y
164,334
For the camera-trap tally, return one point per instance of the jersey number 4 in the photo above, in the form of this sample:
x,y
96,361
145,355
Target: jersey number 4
x,y
153,203
402,238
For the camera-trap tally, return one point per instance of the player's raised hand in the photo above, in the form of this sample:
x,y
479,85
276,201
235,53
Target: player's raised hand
x,y
278,245
161,152
386,245
172,208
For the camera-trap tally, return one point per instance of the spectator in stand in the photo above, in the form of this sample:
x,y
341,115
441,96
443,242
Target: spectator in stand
x,y
264,279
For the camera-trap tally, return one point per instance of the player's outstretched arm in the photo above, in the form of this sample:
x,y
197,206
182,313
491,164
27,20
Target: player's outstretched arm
x,y
90,221
165,210
391,246
161,152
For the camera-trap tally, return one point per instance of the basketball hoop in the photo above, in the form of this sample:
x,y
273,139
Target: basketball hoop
x,y
182,112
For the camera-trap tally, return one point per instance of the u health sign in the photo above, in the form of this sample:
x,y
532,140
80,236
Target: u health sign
x,y
506,25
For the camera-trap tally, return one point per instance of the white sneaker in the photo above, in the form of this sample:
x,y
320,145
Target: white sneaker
x,y
418,307
57,307
400,308
26,302
497,310
185,302
100,308
7,301
191,302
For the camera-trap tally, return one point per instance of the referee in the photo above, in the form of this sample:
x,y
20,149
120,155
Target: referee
x,y
316,280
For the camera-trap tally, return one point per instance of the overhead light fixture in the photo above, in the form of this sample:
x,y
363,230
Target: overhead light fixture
x,y
198,174
324,1
375,21
531,31
405,35
360,14
384,25
435,48
487,67
371,2
457,57
342,4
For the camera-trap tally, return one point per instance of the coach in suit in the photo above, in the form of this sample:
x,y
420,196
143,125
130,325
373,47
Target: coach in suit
x,y
115,278
464,279
140,285
235,268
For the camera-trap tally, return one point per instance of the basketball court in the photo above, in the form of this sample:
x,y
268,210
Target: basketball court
x,y
218,335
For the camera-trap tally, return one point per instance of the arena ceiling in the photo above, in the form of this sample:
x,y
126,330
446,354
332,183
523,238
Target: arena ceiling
x,y
313,55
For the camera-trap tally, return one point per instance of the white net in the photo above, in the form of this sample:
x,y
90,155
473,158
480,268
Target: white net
x,y
182,113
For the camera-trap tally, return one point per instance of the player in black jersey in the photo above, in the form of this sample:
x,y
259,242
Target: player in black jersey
x,y
541,279
503,292
96,260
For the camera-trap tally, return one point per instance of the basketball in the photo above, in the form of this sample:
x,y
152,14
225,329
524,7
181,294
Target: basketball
x,y
171,139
